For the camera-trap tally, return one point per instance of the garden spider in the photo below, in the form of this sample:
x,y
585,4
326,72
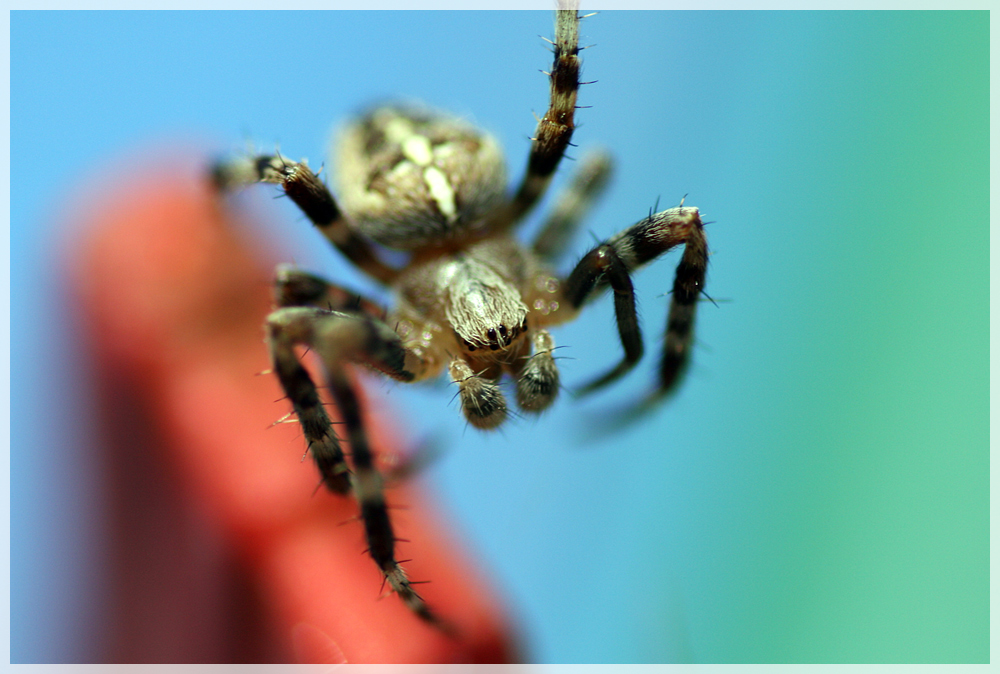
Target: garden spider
x,y
471,299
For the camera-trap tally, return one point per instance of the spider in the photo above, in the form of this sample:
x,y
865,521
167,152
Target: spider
x,y
471,299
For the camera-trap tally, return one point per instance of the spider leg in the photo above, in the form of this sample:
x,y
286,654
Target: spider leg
x,y
611,263
313,197
297,288
294,287
555,129
339,338
689,283
588,183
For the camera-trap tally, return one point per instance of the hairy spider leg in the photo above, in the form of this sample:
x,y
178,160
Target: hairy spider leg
x,y
555,129
313,198
339,338
296,288
611,263
321,440
572,204
689,284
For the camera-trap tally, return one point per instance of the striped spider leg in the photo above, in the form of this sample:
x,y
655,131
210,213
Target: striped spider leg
x,y
342,327
611,263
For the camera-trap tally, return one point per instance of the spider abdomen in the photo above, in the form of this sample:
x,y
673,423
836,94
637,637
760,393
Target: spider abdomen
x,y
411,178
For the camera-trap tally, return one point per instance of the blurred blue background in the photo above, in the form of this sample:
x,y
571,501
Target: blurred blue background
x,y
818,490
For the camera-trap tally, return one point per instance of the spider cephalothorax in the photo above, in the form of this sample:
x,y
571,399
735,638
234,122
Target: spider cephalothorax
x,y
471,300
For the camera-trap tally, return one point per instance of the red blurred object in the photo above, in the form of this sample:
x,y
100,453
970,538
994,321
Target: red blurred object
x,y
223,549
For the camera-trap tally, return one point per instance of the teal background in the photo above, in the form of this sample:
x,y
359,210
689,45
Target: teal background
x,y
819,489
